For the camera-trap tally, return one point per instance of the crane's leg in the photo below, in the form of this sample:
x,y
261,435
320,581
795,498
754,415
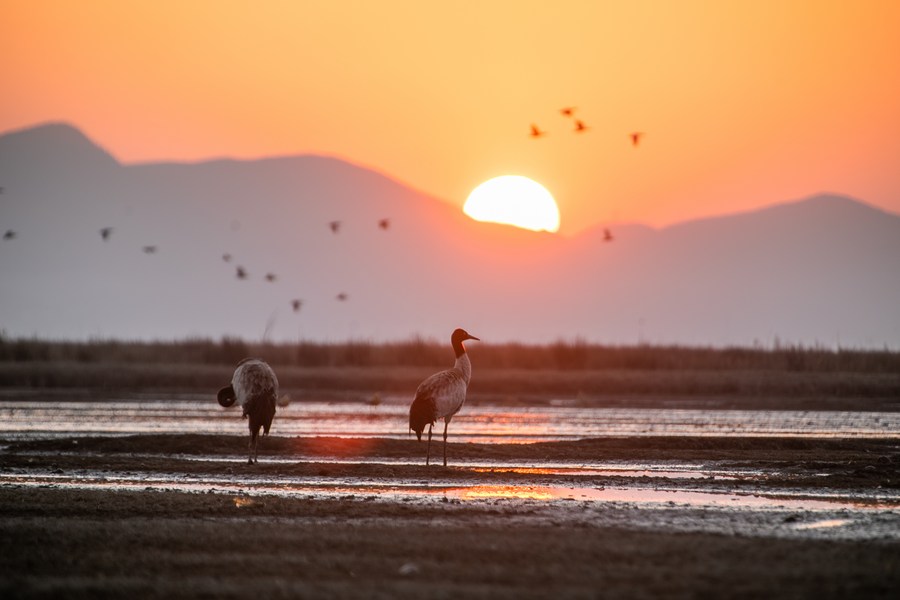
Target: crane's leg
x,y
445,442
254,438
428,448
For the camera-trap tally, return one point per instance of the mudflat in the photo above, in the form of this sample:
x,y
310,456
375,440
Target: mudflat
x,y
183,516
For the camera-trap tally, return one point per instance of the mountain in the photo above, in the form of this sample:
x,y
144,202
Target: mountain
x,y
816,271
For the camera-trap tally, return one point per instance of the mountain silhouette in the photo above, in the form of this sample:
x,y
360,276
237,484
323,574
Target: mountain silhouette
x,y
815,271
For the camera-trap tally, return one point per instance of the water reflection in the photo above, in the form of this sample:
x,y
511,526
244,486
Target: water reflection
x,y
26,419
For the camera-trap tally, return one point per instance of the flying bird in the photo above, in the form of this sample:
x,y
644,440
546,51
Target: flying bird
x,y
443,394
535,132
580,127
271,277
255,387
384,223
342,296
636,138
9,235
335,226
567,111
105,233
226,257
149,249
241,273
607,235
296,304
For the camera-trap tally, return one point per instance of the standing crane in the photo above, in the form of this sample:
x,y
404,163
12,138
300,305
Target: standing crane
x,y
255,388
443,394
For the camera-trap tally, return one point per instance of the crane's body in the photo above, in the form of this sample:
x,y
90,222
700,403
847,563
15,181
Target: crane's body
x,y
441,395
255,387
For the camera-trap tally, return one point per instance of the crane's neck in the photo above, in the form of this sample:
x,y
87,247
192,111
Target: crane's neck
x,y
464,366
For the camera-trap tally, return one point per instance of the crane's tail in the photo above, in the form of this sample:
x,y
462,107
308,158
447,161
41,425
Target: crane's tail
x,y
421,414
227,396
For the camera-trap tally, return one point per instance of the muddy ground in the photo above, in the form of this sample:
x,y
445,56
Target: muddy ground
x,y
153,542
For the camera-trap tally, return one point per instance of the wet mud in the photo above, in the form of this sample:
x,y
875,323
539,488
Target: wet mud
x,y
181,516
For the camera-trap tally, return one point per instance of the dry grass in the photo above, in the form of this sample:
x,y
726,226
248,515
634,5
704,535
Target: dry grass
x,y
508,372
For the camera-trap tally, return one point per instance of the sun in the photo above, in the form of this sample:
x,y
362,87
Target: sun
x,y
514,200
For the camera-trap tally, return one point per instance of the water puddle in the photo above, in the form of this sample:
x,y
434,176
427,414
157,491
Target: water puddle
x,y
24,419
825,524
408,490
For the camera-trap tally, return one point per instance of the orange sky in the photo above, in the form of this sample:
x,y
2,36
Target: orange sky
x,y
745,103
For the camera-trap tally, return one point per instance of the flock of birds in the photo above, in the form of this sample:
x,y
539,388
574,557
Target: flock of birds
x,y
580,127
106,235
254,387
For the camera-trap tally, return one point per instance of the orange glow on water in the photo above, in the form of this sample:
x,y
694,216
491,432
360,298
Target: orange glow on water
x,y
506,491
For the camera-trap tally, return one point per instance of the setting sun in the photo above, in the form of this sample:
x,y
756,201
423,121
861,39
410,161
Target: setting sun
x,y
514,200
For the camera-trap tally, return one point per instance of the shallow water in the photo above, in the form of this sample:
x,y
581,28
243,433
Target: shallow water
x,y
413,490
487,424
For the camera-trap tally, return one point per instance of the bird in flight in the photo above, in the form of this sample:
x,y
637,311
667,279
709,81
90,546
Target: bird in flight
x,y
9,235
636,138
335,226
535,132
567,111
149,249
607,235
580,127
296,304
271,277
105,233
384,223
241,273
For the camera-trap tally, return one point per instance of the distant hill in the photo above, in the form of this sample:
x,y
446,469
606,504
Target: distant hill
x,y
820,270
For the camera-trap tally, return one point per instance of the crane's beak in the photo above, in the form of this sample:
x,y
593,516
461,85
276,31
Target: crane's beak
x,y
472,337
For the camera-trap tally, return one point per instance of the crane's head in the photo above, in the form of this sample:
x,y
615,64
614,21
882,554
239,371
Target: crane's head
x,y
421,414
227,396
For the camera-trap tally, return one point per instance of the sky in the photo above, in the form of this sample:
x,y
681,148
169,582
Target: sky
x,y
742,103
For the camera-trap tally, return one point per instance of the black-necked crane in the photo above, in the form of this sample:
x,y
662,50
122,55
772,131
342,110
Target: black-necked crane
x,y
271,277
296,303
580,127
255,387
443,394
342,297
240,273
567,111
335,226
536,132
149,249
384,224
636,138
226,257
105,233
9,235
